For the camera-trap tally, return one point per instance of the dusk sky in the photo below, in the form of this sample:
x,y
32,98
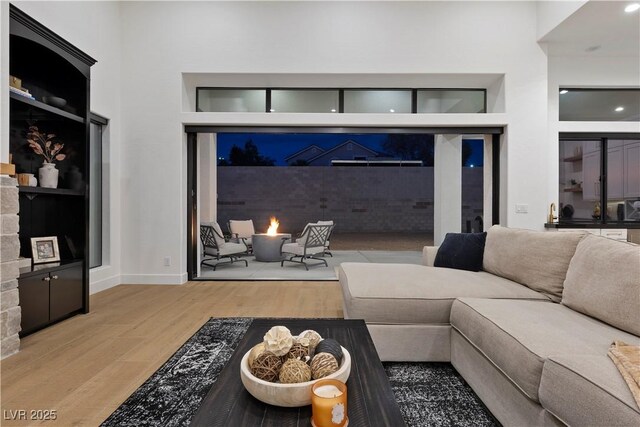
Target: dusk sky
x,y
279,146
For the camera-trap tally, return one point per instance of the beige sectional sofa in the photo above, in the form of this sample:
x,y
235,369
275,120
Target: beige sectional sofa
x,y
530,333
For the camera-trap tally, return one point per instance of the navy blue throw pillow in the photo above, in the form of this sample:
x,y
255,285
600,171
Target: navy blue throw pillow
x,y
462,251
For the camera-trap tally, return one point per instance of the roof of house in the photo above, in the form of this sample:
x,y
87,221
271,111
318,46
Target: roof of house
x,y
297,153
349,141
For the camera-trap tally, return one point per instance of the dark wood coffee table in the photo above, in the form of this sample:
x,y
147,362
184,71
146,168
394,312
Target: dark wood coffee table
x,y
370,399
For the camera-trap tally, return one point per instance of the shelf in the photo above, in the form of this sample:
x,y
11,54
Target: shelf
x,y
573,159
573,190
36,269
56,191
45,107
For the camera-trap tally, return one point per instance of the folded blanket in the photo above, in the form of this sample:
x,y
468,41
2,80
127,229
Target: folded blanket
x,y
627,359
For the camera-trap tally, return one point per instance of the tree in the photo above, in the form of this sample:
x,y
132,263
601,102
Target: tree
x,y
410,147
247,156
466,152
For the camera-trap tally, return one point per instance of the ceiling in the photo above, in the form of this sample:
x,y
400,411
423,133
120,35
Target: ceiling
x,y
601,24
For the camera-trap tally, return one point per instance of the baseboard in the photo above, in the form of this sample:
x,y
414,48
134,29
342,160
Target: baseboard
x,y
104,284
153,279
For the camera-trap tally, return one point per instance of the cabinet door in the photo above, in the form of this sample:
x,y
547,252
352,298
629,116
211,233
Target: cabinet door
x,y
632,170
591,176
615,172
66,292
34,302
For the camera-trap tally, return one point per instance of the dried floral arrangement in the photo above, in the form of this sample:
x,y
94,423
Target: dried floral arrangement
x,y
42,144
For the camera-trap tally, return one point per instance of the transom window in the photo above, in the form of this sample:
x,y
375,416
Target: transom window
x,y
351,100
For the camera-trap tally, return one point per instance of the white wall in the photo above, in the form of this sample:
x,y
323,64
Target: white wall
x,y
550,14
151,45
94,27
164,40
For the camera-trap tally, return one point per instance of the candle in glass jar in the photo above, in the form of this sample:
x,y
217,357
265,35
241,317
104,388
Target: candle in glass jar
x,y
329,404
328,391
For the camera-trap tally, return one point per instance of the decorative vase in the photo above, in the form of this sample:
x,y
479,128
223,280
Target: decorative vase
x,y
48,175
33,181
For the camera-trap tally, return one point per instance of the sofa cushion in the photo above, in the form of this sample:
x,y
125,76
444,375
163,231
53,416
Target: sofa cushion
x,y
462,251
587,390
603,281
415,294
519,254
518,336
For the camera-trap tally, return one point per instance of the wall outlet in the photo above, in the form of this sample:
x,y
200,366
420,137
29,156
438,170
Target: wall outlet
x,y
522,208
167,261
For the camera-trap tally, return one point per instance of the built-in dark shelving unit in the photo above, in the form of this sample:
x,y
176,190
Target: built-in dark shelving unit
x,y
45,108
49,66
58,191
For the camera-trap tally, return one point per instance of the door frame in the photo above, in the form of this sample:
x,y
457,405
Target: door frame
x,y
192,131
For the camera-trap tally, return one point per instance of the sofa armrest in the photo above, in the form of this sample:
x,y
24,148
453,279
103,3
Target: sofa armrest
x,y
429,255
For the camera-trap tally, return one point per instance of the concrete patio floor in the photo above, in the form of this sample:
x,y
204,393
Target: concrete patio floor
x,y
317,271
390,247
390,241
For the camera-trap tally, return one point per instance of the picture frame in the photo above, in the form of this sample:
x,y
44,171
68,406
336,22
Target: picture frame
x,y
45,249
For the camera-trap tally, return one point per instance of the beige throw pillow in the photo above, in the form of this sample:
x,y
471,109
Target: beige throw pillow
x,y
537,259
603,281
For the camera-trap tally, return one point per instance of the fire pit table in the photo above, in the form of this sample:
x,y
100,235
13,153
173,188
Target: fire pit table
x,y
266,247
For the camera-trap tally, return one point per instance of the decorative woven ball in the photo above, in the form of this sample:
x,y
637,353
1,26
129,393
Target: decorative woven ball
x,y
330,346
294,371
323,364
266,366
256,351
278,340
297,351
313,337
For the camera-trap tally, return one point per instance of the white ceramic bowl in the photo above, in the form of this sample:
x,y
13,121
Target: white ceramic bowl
x,y
288,395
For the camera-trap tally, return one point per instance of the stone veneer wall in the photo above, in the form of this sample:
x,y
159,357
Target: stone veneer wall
x,y
358,199
9,251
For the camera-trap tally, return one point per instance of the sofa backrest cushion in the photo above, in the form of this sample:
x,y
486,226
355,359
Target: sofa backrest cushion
x,y
462,251
537,259
603,281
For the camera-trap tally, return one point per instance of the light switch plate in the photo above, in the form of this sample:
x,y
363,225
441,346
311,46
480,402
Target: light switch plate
x,y
522,208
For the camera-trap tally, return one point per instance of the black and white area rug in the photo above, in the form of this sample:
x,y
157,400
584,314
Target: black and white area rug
x,y
429,394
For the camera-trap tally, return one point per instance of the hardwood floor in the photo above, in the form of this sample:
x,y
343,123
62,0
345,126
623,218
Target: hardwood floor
x,y
85,367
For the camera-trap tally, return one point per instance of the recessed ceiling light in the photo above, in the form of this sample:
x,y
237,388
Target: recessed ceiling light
x,y
392,110
333,110
618,109
563,91
632,7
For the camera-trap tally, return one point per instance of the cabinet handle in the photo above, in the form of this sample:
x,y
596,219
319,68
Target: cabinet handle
x,y
46,279
55,277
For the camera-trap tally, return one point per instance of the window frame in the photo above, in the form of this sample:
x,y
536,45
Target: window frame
x,y
604,138
103,122
414,96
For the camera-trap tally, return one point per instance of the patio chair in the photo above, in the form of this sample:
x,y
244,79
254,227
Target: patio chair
x,y
311,243
242,229
217,247
326,247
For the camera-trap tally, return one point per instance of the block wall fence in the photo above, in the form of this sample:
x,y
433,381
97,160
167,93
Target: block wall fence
x,y
358,199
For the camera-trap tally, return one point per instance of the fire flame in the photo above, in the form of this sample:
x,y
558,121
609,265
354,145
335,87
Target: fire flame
x,y
273,228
